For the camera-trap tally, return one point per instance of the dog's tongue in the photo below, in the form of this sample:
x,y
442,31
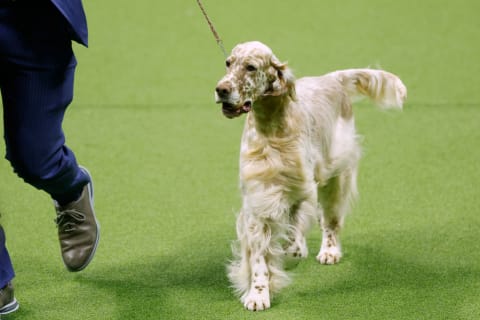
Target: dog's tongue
x,y
247,106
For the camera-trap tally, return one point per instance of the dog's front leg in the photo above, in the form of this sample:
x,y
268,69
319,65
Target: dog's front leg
x,y
330,250
258,297
260,227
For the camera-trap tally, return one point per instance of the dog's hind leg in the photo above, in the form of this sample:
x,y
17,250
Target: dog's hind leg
x,y
301,217
335,199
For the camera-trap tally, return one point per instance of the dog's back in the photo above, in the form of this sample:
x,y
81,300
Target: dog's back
x,y
325,103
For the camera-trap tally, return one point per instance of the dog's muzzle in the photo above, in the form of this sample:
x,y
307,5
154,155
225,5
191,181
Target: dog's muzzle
x,y
230,111
223,93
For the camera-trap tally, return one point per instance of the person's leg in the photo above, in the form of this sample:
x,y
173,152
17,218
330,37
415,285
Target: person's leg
x,y
37,73
8,303
6,267
34,105
36,81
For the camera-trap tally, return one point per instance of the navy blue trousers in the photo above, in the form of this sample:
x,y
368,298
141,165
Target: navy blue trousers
x,y
6,269
37,67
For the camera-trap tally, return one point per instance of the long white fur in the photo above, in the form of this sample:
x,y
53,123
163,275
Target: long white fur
x,y
298,161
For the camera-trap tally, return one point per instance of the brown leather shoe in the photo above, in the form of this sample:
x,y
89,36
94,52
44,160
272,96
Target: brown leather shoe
x,y
8,303
78,230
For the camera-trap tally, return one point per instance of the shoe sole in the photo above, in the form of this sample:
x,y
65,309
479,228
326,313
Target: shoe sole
x,y
92,201
9,308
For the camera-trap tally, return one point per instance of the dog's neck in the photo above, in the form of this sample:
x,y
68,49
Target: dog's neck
x,y
270,114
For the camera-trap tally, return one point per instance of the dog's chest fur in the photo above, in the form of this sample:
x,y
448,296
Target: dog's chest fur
x,y
271,155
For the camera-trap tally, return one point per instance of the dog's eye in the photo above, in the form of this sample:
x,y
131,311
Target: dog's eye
x,y
251,68
227,63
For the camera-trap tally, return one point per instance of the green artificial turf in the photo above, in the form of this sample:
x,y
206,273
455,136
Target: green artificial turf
x,y
165,165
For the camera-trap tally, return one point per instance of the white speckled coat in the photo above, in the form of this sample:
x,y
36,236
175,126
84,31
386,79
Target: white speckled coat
x,y
298,161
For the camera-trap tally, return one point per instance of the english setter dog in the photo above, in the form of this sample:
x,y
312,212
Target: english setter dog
x,y
298,161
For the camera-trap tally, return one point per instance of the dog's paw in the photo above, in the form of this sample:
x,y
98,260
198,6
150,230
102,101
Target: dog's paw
x,y
293,254
258,299
330,256
296,251
330,251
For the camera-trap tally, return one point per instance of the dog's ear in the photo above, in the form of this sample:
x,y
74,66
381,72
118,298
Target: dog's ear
x,y
281,79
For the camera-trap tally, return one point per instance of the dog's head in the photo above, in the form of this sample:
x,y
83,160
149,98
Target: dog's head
x,y
253,72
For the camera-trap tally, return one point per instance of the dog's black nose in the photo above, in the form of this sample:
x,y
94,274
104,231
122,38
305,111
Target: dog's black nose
x,y
224,89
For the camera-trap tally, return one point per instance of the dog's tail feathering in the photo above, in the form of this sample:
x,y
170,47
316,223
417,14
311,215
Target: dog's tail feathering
x,y
384,88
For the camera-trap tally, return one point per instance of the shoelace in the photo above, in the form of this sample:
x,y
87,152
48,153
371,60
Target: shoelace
x,y
68,219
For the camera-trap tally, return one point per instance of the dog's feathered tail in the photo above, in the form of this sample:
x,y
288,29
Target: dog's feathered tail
x,y
384,88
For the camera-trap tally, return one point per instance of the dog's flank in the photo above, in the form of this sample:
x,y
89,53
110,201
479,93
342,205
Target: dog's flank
x,y
298,161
